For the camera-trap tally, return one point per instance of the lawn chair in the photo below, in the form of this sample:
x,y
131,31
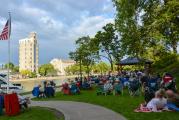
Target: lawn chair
x,y
153,83
148,94
74,89
118,89
100,90
49,91
65,89
125,81
134,88
86,86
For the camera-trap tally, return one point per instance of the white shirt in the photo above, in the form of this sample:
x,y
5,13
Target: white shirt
x,y
157,103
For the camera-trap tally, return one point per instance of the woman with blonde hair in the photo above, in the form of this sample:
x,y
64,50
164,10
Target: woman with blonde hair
x,y
158,103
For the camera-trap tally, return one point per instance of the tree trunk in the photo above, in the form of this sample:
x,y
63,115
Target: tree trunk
x,y
88,70
174,46
80,71
118,69
111,65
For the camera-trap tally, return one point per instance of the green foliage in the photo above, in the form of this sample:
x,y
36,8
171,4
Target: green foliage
x,y
128,26
33,75
85,53
101,68
47,70
9,65
15,69
12,67
164,61
75,69
143,24
25,73
109,44
143,28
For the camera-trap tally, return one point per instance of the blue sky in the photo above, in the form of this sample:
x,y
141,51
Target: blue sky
x,y
58,23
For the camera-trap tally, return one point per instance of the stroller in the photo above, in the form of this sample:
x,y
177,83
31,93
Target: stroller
x,y
134,87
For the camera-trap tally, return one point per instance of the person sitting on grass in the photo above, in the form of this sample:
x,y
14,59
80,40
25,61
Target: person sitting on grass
x,y
86,85
108,87
74,88
49,90
158,103
38,91
65,88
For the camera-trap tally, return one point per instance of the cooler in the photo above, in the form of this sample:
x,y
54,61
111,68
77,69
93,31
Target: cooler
x,y
11,104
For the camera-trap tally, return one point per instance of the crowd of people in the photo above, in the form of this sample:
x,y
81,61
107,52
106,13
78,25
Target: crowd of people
x,y
73,87
160,92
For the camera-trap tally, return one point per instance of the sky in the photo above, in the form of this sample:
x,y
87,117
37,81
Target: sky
x,y
58,23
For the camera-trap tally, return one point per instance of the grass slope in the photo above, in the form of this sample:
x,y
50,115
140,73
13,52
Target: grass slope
x,y
34,113
122,104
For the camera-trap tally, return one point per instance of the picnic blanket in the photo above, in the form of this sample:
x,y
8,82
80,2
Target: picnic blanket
x,y
142,108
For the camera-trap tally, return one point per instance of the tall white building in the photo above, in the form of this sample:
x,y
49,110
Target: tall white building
x,y
60,65
28,53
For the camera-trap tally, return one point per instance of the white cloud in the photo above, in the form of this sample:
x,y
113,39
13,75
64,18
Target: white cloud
x,y
90,25
57,23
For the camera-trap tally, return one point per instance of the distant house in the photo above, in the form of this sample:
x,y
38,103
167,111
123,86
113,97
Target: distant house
x,y
60,65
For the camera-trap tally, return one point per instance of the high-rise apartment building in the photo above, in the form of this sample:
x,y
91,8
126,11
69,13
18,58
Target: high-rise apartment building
x,y
28,53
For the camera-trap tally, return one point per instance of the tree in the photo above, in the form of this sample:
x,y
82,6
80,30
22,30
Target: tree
x,y
166,22
85,53
15,69
25,73
33,75
101,68
74,69
130,27
9,65
108,43
47,69
12,67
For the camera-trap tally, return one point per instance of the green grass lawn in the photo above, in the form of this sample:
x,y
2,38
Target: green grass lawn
x,y
34,113
122,104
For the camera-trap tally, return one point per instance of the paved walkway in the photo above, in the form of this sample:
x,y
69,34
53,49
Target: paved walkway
x,y
80,111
